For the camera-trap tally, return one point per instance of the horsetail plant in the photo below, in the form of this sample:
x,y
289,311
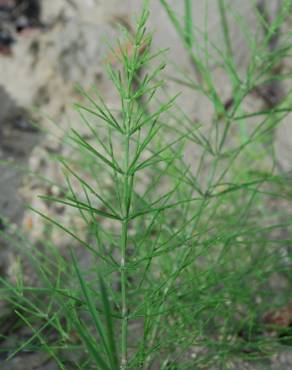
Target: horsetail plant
x,y
135,130
174,245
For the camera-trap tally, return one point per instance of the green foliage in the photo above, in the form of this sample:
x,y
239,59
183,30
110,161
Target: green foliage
x,y
182,248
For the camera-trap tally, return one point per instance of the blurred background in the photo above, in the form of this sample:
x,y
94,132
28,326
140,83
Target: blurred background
x,y
47,47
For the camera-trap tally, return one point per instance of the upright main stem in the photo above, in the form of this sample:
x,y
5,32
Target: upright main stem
x,y
128,180
124,241
124,294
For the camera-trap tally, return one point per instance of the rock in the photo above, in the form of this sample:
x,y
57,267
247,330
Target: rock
x,y
17,138
42,73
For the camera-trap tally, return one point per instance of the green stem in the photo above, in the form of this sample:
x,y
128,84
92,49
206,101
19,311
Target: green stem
x,y
124,295
124,241
188,24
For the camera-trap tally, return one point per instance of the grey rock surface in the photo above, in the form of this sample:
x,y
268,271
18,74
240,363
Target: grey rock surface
x,y
42,72
17,139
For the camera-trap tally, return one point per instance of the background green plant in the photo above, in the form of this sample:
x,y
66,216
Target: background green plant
x,y
182,247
